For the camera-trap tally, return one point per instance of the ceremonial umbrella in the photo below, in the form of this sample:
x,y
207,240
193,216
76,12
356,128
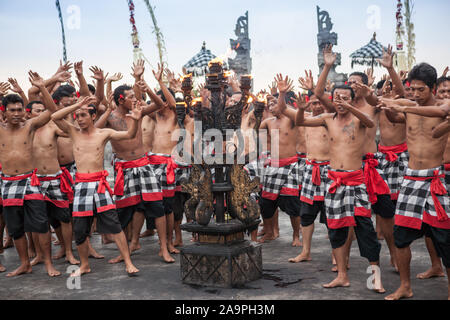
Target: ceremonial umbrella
x,y
367,54
198,65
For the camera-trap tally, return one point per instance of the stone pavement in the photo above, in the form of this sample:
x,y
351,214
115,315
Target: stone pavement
x,y
281,280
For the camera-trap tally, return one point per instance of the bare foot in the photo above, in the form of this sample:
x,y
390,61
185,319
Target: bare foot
x,y
400,293
431,273
31,253
297,243
172,249
71,259
335,269
52,272
60,254
166,256
36,260
147,233
134,247
132,270
338,282
266,237
178,243
276,233
20,270
2,268
94,254
116,260
301,257
80,272
106,239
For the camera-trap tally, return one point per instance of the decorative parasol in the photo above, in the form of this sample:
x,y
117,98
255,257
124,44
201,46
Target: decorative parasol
x,y
367,54
198,65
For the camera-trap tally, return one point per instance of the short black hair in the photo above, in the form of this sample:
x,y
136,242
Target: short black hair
x,y
91,88
363,76
120,90
380,84
29,106
92,109
11,99
343,87
424,72
160,93
441,80
63,91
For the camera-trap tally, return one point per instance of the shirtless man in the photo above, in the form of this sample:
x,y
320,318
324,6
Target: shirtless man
x,y
137,190
423,205
315,177
55,186
92,194
22,210
281,177
346,201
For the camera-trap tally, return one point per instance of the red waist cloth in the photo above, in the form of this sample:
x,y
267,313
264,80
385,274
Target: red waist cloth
x,y
316,170
446,167
94,177
353,178
119,166
34,178
374,182
170,168
282,162
391,152
66,182
436,188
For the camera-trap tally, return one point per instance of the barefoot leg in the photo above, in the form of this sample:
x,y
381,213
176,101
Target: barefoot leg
x,y
342,278
403,261
137,223
162,234
45,244
39,258
83,252
66,232
387,228
436,265
2,228
122,245
62,250
22,250
170,222
295,223
379,227
305,255
275,225
178,236
8,241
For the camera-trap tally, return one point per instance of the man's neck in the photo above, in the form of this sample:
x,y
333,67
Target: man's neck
x,y
359,101
122,110
344,116
88,130
430,102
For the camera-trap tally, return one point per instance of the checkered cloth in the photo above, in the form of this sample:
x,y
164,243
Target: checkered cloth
x,y
16,189
366,54
71,168
56,189
447,175
282,178
375,179
315,178
164,167
423,197
92,191
346,198
256,168
393,162
135,181
181,173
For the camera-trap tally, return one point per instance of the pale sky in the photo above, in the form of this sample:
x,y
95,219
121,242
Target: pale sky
x,y
283,33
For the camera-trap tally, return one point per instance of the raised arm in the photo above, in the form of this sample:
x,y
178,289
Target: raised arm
x,y
364,118
44,117
284,85
329,59
387,61
169,97
157,102
442,129
84,89
301,120
137,73
59,116
425,111
100,88
102,121
15,87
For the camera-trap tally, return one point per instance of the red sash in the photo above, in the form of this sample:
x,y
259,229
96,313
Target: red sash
x,y
447,167
374,182
391,152
34,178
436,188
316,170
94,177
64,184
354,178
170,169
119,166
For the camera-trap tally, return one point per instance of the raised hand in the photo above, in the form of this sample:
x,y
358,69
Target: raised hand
x,y
15,85
403,75
78,67
444,74
143,86
370,77
284,85
98,73
4,87
330,85
301,102
387,60
64,67
110,101
363,90
273,88
86,101
138,69
35,79
63,76
158,74
174,82
136,112
115,77
307,83
328,56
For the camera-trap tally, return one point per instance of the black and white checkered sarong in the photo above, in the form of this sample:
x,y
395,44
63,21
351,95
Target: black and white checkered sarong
x,y
16,189
282,178
310,191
